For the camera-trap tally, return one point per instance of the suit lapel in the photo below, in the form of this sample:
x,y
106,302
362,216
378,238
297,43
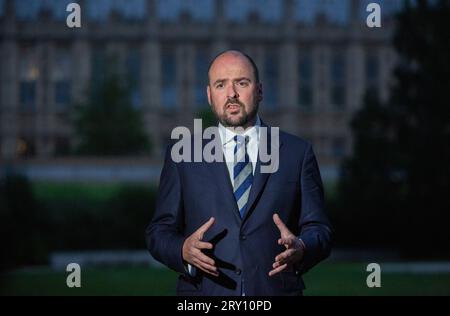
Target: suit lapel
x,y
260,179
221,178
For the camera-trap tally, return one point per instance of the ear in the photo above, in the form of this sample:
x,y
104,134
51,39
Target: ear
x,y
208,92
259,92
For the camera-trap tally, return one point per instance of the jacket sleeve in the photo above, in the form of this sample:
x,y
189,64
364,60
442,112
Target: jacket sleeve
x,y
315,228
164,235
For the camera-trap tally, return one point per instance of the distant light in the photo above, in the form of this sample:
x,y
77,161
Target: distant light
x,y
22,147
33,73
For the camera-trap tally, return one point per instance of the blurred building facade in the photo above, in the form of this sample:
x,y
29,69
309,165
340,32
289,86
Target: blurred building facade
x,y
316,60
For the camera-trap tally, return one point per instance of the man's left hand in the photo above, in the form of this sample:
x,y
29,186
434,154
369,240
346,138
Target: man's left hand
x,y
294,248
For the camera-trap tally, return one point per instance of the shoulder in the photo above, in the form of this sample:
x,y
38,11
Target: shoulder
x,y
293,140
288,139
292,144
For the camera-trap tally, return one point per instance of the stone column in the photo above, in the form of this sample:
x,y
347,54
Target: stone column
x,y
40,129
150,81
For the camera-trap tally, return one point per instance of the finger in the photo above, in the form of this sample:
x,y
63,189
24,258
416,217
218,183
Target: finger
x,y
205,227
205,265
284,256
277,270
202,257
281,227
206,268
287,242
203,245
276,264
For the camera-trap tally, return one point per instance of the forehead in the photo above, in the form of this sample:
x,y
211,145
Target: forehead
x,y
231,66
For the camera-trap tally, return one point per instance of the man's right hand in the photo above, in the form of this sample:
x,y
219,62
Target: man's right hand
x,y
192,250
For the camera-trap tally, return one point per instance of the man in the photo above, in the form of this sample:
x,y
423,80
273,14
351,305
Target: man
x,y
227,227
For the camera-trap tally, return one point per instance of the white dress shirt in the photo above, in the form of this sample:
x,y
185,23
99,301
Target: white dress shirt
x,y
227,138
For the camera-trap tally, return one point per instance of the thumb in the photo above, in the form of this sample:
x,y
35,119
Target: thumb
x,y
281,226
205,227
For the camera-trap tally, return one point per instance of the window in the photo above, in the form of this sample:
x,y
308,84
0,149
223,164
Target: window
x,y
61,73
62,93
29,75
201,77
133,65
168,80
28,95
338,79
305,90
271,80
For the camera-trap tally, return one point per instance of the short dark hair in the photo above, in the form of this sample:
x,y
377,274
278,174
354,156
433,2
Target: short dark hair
x,y
252,62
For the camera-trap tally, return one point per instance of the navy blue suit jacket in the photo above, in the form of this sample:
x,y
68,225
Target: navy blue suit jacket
x,y
192,192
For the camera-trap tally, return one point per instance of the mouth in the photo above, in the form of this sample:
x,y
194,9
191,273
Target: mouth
x,y
233,107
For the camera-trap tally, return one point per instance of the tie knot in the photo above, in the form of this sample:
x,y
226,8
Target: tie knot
x,y
240,139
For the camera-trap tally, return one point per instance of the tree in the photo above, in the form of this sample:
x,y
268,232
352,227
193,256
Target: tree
x,y
398,179
107,124
22,221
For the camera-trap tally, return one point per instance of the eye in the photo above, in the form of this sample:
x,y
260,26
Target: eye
x,y
243,83
219,86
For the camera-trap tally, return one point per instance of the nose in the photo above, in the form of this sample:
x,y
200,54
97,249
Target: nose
x,y
232,92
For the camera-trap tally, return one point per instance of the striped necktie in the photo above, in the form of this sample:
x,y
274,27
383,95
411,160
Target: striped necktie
x,y
242,173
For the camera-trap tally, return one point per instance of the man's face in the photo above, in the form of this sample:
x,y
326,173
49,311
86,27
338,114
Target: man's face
x,y
233,92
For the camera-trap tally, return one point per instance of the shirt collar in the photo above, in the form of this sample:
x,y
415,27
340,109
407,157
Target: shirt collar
x,y
227,135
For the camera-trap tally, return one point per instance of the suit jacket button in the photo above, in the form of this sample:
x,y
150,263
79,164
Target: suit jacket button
x,y
238,271
243,237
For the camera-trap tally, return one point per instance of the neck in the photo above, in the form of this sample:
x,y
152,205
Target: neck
x,y
242,128
250,123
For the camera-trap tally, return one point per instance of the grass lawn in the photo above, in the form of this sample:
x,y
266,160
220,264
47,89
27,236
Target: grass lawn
x,y
350,279
325,279
107,281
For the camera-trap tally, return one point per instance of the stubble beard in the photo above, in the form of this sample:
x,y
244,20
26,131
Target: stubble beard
x,y
242,121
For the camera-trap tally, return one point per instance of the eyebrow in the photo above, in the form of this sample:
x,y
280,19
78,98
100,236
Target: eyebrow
x,y
237,79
